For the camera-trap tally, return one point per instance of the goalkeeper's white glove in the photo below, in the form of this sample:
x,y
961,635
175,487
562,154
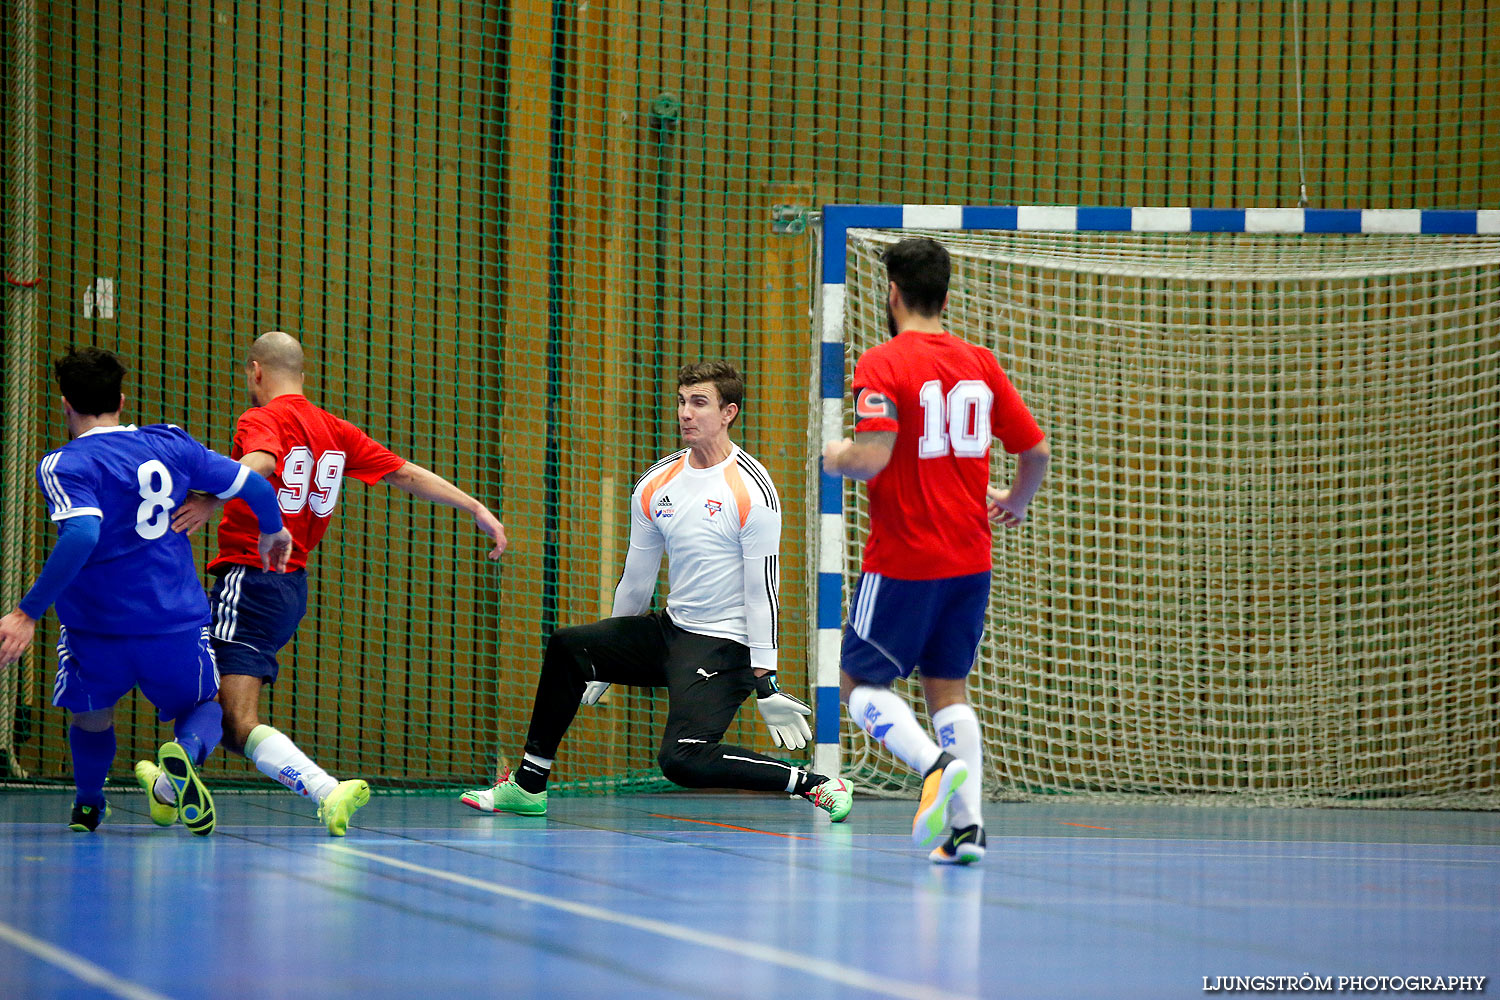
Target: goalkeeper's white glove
x,y
593,691
785,716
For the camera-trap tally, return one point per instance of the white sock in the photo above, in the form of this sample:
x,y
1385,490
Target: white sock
x,y
278,758
163,790
958,733
880,712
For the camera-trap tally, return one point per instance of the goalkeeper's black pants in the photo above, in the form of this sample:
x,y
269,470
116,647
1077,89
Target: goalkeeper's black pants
x,y
707,679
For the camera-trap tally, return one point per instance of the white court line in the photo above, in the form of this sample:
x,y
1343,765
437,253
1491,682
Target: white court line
x,y
824,969
90,973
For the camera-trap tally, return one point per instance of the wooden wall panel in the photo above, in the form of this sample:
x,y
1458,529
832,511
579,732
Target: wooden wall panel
x,y
525,237
587,383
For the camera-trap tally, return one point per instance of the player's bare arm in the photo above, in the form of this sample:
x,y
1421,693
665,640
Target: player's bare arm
x,y
1007,507
859,458
428,485
199,508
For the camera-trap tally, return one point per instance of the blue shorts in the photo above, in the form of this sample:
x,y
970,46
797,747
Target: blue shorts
x,y
175,671
255,614
898,626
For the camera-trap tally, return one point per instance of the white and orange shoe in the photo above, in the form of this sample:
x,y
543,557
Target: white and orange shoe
x,y
944,779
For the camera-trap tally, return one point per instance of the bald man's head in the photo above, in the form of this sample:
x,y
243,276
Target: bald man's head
x,y
278,353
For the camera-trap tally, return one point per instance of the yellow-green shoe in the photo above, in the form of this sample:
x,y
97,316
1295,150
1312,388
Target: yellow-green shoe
x,y
162,813
86,819
338,808
195,806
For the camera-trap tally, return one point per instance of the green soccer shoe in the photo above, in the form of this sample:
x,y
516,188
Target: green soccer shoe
x,y
507,796
195,805
86,819
835,797
339,807
162,813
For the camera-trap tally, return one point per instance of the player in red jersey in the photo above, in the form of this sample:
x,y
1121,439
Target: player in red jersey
x,y
927,406
305,452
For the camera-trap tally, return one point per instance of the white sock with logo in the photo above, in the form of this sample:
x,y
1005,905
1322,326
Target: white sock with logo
x,y
958,733
278,758
880,712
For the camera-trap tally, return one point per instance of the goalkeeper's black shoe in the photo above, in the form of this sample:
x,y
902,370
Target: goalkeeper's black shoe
x,y
86,819
964,846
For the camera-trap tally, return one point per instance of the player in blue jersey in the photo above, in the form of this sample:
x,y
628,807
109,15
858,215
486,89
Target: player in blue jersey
x,y
131,607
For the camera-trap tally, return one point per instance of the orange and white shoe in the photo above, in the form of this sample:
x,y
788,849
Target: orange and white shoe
x,y
940,784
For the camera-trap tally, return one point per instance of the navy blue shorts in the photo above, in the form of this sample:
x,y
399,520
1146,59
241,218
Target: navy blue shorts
x,y
898,626
175,671
255,614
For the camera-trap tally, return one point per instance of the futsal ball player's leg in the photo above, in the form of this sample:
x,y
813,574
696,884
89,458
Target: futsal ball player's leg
x,y
959,734
275,755
887,628
708,679
947,659
91,740
176,673
255,615
90,679
626,650
259,613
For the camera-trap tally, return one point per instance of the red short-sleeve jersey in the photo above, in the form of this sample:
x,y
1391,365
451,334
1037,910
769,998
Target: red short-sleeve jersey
x,y
314,451
946,399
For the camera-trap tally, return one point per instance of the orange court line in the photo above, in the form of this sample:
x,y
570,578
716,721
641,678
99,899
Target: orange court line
x,y
727,826
1086,826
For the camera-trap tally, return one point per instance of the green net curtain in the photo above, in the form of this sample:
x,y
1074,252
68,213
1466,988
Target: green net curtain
x,y
500,228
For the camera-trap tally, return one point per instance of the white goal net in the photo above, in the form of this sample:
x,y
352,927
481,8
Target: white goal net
x,y
1265,565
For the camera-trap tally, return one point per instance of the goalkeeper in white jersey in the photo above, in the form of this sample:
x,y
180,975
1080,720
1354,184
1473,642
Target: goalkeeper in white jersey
x,y
714,511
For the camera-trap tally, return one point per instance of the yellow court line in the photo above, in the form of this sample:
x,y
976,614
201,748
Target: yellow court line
x,y
806,964
94,975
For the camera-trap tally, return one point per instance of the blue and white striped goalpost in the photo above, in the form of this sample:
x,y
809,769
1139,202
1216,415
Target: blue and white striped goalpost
x,y
836,222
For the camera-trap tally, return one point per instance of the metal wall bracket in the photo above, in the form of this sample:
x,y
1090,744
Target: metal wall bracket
x,y
793,220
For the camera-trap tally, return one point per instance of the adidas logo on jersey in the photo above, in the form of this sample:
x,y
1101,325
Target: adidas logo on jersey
x,y
665,501
664,507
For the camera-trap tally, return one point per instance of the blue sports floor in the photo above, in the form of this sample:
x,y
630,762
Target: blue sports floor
x,y
725,896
